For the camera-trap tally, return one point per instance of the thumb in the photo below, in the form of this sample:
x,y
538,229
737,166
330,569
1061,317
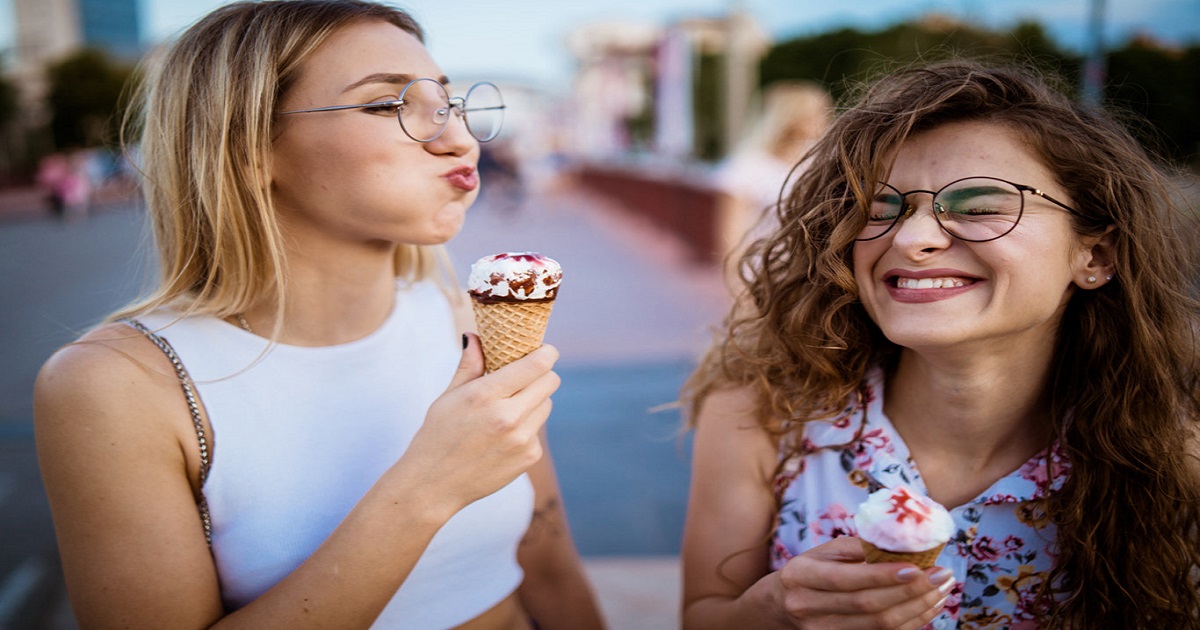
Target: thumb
x,y
470,367
841,549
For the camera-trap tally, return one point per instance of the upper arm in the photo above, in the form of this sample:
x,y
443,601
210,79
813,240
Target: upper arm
x,y
731,508
108,416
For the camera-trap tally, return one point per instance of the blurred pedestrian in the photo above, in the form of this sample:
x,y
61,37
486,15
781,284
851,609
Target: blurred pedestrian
x,y
752,179
978,290
338,460
65,179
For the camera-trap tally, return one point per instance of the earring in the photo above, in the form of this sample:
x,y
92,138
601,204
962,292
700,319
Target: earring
x,y
1092,279
1108,278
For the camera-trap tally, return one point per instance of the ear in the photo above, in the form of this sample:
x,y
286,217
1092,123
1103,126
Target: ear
x,y
1095,263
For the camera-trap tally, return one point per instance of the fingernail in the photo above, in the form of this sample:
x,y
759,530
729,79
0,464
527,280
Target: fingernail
x,y
941,575
907,574
939,605
947,587
464,341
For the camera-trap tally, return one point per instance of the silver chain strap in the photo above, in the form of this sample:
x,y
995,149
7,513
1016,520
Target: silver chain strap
x,y
185,382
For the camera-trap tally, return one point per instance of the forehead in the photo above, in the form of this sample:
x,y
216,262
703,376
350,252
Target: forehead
x,y
940,155
358,50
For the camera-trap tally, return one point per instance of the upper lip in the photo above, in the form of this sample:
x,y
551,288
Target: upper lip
x,y
465,171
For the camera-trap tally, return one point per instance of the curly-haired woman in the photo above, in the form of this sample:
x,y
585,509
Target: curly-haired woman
x,y
982,290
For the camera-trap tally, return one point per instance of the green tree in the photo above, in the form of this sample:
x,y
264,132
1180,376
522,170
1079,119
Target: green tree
x,y
1161,86
840,59
84,98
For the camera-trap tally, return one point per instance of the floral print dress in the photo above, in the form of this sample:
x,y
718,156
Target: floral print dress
x,y
1003,545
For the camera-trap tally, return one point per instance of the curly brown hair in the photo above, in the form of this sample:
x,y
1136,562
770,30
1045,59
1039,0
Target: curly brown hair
x,y
1123,377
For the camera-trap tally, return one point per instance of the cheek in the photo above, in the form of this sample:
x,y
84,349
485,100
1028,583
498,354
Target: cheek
x,y
862,261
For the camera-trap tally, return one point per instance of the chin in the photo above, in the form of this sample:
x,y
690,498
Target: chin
x,y
922,339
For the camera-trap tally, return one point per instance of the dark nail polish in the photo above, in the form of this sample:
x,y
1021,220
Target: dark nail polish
x,y
464,341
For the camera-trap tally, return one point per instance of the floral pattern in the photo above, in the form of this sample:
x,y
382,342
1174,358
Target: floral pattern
x,y
1001,551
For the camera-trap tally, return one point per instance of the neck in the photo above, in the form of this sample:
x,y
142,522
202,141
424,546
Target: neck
x,y
969,422
332,297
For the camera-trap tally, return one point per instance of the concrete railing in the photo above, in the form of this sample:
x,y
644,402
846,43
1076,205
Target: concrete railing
x,y
676,200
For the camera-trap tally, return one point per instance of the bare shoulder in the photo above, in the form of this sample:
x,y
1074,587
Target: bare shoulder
x,y
106,377
100,363
727,425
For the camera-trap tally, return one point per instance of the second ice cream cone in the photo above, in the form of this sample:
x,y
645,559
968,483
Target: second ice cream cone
x,y
923,559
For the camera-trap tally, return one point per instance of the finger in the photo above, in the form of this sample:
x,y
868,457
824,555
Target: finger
x,y
893,604
841,549
837,566
919,612
539,416
519,374
470,365
534,393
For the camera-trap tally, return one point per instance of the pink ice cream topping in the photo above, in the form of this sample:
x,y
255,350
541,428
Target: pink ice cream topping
x,y
898,519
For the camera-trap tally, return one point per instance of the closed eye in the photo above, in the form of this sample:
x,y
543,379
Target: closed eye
x,y
388,107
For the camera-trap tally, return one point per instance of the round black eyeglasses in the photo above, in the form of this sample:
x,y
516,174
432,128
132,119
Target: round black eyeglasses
x,y
424,107
976,209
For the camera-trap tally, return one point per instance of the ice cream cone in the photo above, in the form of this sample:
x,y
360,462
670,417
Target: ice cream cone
x,y
510,330
923,559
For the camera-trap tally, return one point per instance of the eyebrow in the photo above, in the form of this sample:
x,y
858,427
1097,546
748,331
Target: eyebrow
x,y
388,77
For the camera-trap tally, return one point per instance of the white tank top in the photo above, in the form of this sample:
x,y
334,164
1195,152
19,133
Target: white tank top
x,y
301,435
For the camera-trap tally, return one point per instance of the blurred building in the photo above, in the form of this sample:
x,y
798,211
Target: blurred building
x,y
48,29
681,91
46,32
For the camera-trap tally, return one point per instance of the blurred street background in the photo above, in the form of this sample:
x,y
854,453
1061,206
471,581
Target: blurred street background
x,y
643,138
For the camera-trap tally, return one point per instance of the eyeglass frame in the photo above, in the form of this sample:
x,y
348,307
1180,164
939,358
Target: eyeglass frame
x,y
908,210
457,104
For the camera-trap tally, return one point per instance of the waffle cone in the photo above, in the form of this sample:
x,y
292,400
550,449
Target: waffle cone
x,y
510,330
923,559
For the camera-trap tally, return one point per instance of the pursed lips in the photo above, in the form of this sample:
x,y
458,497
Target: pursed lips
x,y
464,178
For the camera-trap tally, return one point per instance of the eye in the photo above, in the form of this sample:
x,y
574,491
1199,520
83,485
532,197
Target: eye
x,y
387,107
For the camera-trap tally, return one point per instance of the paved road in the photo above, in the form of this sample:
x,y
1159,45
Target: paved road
x,y
630,320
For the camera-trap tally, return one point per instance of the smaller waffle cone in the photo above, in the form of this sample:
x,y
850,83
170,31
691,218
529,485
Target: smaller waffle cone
x,y
923,559
510,330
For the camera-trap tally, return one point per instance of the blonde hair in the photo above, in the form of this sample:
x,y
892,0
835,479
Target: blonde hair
x,y
795,114
206,121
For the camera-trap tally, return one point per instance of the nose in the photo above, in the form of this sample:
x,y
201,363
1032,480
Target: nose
x,y
456,139
919,230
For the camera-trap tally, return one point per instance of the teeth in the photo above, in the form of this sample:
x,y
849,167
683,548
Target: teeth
x,y
929,283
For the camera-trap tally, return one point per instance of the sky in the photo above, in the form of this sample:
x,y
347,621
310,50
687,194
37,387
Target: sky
x,y
524,39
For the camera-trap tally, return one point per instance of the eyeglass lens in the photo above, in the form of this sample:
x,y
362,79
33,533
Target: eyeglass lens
x,y
484,110
427,107
972,209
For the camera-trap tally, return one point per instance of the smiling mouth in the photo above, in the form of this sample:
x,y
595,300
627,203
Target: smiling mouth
x,y
929,283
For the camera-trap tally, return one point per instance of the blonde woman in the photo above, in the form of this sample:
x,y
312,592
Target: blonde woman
x,y
795,114
286,433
